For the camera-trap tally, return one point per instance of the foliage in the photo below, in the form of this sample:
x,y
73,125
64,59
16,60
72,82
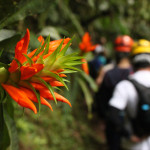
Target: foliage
x,y
59,130
65,19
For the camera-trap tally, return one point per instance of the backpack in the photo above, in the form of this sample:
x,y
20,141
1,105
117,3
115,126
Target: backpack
x,y
141,122
105,91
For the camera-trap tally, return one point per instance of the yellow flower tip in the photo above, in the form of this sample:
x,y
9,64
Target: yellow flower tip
x,y
67,101
35,111
70,105
50,107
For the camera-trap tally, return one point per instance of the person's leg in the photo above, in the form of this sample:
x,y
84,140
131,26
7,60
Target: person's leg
x,y
113,138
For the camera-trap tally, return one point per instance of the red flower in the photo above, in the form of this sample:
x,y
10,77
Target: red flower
x,y
85,67
33,97
86,44
21,48
19,96
44,92
35,72
27,71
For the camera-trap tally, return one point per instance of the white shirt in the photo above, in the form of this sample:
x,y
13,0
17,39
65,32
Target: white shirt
x,y
125,97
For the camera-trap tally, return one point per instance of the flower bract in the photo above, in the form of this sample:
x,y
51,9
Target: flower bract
x,y
35,76
86,45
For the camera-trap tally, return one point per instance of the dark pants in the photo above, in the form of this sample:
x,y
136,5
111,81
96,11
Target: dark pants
x,y
113,138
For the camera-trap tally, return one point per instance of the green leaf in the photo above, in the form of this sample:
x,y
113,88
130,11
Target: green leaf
x,y
87,94
40,48
69,58
74,63
49,87
69,71
65,80
18,62
73,57
3,65
11,130
63,51
73,18
57,51
51,74
40,60
91,82
5,98
23,10
2,93
73,54
66,59
29,60
4,136
50,60
1,51
37,95
47,46
57,88
73,68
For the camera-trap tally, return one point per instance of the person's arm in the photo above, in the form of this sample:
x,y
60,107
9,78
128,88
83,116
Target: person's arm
x,y
100,76
116,111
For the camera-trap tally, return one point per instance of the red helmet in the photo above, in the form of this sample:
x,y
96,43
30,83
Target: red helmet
x,y
123,43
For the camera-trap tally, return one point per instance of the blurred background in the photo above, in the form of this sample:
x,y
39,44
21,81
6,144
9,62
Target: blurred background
x,y
68,128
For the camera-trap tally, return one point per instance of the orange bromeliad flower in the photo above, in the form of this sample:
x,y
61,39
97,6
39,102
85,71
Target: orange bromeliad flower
x,y
86,44
85,67
34,76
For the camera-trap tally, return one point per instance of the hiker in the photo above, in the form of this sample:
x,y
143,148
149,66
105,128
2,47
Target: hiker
x,y
120,71
127,99
122,47
99,60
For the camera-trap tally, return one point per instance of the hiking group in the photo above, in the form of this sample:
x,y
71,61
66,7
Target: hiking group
x,y
123,98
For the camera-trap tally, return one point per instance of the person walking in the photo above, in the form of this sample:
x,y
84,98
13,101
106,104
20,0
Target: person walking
x,y
125,99
122,47
115,74
120,71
